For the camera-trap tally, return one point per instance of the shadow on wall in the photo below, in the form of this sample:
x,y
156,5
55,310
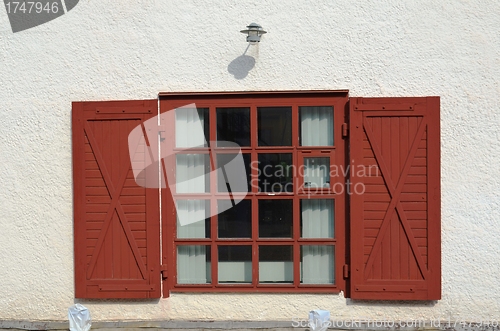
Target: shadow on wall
x,y
241,66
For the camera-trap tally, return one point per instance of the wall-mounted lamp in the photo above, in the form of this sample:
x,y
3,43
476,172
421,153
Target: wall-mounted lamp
x,y
253,32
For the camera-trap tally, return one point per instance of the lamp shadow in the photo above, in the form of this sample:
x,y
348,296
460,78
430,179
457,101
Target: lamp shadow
x,y
241,66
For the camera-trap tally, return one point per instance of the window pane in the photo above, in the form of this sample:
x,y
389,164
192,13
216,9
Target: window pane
x,y
316,126
235,221
275,218
235,264
193,218
193,264
233,124
275,264
192,173
227,175
317,264
275,126
317,218
191,127
275,172
316,172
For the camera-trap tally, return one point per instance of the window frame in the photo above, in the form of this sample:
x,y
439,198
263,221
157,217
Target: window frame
x,y
254,100
364,146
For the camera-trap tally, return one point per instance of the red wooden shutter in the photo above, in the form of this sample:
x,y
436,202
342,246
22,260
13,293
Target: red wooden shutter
x,y
395,229
116,222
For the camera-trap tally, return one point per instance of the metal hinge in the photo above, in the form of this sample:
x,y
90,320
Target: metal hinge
x,y
346,270
164,273
345,132
161,132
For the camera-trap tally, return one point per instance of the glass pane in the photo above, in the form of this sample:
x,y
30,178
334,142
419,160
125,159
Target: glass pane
x,y
275,218
191,127
234,221
233,124
317,218
316,172
193,264
275,264
317,264
227,179
235,264
193,218
274,126
316,126
275,172
192,173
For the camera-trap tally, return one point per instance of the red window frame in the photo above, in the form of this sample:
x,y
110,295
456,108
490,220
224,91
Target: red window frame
x,y
387,240
338,100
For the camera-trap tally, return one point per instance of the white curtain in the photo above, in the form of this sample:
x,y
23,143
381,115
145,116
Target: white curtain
x,y
189,128
192,265
316,126
317,265
317,172
192,175
191,215
317,218
276,271
235,271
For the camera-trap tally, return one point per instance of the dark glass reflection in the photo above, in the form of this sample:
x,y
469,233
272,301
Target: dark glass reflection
x,y
274,126
275,218
234,221
275,172
233,124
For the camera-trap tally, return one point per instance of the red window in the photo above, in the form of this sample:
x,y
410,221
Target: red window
x,y
266,192
285,233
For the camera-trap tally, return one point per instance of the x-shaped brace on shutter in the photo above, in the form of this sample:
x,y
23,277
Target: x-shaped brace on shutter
x,y
115,205
395,192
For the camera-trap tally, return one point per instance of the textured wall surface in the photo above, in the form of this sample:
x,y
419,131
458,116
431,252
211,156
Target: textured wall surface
x,y
111,50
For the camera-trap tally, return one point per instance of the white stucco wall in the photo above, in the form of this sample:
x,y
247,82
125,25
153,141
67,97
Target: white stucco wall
x,y
111,50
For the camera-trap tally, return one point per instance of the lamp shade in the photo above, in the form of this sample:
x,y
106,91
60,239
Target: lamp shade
x,y
253,31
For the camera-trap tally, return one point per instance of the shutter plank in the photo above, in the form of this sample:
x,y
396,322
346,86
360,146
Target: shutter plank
x,y
395,251
116,221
